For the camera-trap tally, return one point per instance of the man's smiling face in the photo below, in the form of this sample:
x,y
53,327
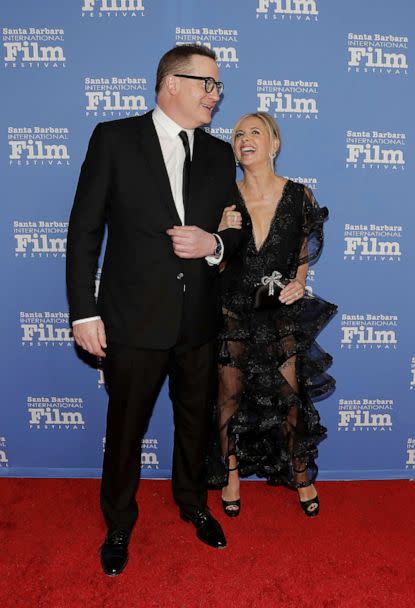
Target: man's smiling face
x,y
192,103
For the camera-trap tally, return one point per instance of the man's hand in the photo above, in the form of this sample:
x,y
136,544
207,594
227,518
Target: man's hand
x,y
191,242
91,337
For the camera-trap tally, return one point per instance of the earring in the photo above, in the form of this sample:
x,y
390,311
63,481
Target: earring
x,y
236,161
272,155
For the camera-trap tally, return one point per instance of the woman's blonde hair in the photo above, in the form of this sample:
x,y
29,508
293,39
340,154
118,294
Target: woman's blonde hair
x,y
269,122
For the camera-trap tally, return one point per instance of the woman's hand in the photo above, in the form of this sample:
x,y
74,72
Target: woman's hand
x,y
292,292
230,218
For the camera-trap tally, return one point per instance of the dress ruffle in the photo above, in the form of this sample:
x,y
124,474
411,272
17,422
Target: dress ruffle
x,y
264,403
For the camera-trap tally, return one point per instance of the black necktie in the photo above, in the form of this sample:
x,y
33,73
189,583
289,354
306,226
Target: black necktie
x,y
186,168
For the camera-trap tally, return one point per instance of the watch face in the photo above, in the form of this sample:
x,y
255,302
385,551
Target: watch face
x,y
218,247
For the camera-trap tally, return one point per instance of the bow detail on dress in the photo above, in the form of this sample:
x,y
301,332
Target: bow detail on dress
x,y
273,279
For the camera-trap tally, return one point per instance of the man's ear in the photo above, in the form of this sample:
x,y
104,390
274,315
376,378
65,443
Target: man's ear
x,y
171,83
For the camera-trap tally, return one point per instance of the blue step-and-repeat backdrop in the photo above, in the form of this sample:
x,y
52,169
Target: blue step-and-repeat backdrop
x,y
339,78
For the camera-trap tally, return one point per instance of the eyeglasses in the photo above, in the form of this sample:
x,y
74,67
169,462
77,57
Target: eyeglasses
x,y
210,83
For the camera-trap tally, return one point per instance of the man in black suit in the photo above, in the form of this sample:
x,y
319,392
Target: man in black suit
x,y
160,184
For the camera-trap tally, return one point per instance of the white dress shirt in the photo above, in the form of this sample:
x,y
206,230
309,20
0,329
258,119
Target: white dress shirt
x,y
174,156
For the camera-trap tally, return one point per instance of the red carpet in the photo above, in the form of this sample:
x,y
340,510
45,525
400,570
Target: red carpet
x,y
360,552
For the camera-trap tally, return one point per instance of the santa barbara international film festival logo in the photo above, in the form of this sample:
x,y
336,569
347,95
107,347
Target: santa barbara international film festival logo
x,y
288,98
4,461
412,381
369,332
224,133
222,40
309,182
38,146
149,456
32,47
101,377
372,243
112,8
382,150
40,239
410,454
115,96
310,279
48,329
365,415
55,413
287,10
377,53
97,281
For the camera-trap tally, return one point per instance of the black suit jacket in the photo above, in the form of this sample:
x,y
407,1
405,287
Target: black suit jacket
x,y
124,184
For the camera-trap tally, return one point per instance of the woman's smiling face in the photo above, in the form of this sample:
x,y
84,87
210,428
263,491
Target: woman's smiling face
x,y
252,145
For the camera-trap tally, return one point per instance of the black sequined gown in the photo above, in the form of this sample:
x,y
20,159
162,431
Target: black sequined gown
x,y
270,366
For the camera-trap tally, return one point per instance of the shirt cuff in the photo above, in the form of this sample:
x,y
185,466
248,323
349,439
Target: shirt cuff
x,y
213,260
79,321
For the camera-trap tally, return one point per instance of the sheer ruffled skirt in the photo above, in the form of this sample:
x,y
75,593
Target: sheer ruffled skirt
x,y
270,369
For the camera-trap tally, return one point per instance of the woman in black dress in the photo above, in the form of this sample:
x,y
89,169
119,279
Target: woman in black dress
x,y
269,364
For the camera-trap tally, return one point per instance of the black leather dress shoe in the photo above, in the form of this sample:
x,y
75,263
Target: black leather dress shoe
x,y
208,529
114,552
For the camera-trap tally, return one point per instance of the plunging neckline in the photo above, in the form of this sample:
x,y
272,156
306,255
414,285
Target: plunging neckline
x,y
273,218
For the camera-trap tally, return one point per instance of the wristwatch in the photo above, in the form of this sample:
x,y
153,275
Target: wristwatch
x,y
218,249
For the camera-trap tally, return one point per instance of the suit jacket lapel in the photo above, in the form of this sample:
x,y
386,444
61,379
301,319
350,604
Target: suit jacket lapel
x,y
149,142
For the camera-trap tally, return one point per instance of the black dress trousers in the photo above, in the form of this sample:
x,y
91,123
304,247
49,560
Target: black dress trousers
x,y
134,377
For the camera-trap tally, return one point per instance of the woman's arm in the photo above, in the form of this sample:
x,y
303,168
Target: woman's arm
x,y
302,270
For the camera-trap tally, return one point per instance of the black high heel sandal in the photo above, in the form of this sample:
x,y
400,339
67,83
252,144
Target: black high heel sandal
x,y
232,512
306,504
